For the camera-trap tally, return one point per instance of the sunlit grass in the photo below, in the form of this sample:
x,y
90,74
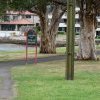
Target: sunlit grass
x,y
46,81
98,47
21,54
5,56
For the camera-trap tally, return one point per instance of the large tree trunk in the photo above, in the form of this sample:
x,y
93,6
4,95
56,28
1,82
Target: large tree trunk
x,y
48,44
49,31
48,39
87,38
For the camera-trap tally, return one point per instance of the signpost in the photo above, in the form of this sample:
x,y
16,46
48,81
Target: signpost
x,y
70,39
31,39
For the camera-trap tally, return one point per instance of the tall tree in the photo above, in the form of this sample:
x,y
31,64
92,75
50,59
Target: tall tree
x,y
3,6
49,28
88,12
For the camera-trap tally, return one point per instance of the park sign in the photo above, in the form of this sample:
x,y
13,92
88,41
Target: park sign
x,y
31,37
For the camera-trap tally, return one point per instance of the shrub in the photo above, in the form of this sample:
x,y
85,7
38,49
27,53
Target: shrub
x,y
77,33
62,33
98,37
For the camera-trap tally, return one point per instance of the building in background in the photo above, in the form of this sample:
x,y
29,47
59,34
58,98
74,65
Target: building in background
x,y
63,23
12,21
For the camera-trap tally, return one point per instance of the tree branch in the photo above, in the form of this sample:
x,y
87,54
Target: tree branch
x,y
60,2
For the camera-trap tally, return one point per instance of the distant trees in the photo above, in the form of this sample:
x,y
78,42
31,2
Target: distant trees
x,y
3,5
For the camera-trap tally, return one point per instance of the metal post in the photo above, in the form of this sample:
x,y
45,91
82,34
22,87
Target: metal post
x,y
26,58
70,39
35,58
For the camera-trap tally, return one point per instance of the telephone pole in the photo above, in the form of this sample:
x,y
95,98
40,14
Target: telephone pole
x,y
70,37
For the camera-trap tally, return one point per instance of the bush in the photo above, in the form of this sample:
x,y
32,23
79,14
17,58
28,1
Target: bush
x,y
98,37
37,29
39,32
77,33
62,33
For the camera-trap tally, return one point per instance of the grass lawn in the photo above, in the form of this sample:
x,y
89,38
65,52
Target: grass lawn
x,y
4,55
45,81
11,55
98,47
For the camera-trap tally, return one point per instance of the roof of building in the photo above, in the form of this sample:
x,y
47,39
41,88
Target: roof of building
x,y
19,12
19,22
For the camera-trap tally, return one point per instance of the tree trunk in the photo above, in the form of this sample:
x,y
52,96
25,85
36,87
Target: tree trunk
x,y
48,39
49,31
87,38
48,44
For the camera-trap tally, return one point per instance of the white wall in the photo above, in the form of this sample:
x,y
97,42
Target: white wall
x,y
9,33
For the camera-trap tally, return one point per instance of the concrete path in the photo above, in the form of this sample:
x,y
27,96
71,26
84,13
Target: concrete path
x,y
6,91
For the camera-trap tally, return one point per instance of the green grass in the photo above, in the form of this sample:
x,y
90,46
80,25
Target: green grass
x,y
5,56
11,55
46,81
98,47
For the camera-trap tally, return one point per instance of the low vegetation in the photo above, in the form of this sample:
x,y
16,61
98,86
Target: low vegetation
x,y
46,81
12,55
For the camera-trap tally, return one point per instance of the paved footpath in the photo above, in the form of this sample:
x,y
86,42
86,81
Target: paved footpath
x,y
6,91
